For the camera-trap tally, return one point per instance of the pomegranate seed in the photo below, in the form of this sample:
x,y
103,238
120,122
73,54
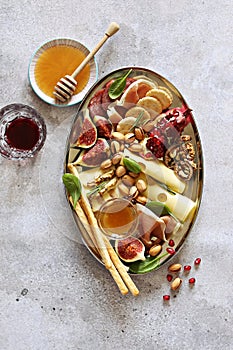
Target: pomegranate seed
x,y
171,243
166,297
192,280
169,278
171,251
197,261
187,268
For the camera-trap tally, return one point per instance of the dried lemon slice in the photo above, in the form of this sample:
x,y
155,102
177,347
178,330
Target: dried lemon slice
x,y
151,104
163,97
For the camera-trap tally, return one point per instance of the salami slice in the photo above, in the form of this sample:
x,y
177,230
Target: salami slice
x,y
106,100
95,105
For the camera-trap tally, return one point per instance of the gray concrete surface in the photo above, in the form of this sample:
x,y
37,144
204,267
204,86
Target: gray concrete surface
x,y
53,294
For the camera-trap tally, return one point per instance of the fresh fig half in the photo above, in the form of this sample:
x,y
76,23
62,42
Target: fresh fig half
x,y
130,249
88,135
96,155
103,126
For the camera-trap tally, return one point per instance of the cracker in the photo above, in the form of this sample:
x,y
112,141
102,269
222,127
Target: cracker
x,y
167,91
163,97
151,104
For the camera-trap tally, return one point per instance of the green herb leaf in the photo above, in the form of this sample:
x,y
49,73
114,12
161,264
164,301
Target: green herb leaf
x,y
117,87
147,265
132,165
137,121
158,208
73,186
97,188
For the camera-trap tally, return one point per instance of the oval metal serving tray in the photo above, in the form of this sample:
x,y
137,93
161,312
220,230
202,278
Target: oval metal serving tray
x,y
191,192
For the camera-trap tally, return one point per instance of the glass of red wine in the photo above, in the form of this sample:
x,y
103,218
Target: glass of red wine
x,y
22,131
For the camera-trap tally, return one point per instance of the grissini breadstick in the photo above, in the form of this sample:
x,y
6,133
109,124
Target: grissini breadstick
x,y
98,235
89,237
92,243
121,269
116,269
117,278
94,225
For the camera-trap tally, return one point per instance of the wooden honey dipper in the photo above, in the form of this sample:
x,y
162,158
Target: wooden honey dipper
x,y
66,86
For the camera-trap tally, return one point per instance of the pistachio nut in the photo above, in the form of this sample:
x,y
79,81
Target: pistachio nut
x,y
141,199
129,137
123,189
118,136
120,171
134,175
139,133
106,164
136,147
133,192
115,147
128,180
141,185
116,158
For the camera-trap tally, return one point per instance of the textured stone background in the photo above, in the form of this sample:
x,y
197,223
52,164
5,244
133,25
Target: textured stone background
x,y
53,294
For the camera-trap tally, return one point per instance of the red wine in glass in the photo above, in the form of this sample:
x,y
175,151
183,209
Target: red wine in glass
x,y
22,131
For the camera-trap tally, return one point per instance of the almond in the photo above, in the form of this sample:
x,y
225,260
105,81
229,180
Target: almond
x,y
176,283
156,249
175,267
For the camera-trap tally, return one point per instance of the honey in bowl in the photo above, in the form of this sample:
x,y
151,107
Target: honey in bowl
x,y
118,218
56,62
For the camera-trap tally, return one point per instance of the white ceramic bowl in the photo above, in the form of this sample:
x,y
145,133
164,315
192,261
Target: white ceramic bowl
x,y
75,98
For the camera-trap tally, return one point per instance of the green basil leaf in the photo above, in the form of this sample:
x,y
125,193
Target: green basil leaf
x,y
132,165
160,209
73,186
147,265
117,87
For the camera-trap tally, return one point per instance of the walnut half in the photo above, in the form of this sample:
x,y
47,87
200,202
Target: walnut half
x,y
184,170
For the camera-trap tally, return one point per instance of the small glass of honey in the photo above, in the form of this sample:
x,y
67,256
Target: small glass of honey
x,y
118,218
22,131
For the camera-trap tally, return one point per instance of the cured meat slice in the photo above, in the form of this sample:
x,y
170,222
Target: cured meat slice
x,y
106,100
95,105
135,91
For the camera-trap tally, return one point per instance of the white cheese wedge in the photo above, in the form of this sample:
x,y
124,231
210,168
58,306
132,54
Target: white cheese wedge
x,y
180,205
